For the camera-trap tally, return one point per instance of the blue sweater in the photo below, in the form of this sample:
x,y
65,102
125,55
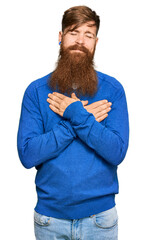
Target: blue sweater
x,y
76,157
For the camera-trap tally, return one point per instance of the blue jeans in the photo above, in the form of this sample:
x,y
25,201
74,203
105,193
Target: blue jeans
x,y
102,226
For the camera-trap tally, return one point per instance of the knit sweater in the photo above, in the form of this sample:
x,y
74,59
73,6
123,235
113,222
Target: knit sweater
x,y
75,156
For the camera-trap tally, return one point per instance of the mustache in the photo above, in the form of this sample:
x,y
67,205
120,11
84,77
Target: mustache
x,y
80,48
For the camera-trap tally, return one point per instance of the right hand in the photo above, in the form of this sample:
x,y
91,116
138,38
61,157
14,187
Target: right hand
x,y
99,109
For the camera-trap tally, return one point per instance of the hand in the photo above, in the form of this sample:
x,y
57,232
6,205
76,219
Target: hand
x,y
59,102
99,109
73,95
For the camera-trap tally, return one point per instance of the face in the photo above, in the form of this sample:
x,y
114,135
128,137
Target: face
x,y
85,35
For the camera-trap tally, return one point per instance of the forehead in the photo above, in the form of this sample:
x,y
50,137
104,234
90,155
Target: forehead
x,y
88,26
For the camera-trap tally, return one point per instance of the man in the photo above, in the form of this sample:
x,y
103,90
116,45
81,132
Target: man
x,y
74,130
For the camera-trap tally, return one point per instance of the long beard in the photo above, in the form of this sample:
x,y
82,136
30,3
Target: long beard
x,y
75,72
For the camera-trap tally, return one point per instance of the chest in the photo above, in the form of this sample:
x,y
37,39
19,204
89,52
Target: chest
x,y
50,119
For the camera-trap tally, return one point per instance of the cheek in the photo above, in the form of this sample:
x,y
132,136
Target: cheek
x,y
68,42
90,47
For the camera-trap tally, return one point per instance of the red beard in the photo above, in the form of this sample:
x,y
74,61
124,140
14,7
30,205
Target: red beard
x,y
75,72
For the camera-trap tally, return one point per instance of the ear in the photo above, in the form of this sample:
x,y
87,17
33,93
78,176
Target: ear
x,y
96,40
60,37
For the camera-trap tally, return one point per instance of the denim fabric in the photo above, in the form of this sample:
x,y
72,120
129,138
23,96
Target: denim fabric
x,y
102,226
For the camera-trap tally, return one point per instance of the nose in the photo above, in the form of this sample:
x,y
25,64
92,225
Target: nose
x,y
80,39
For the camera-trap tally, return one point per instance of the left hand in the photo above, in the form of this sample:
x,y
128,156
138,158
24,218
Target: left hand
x,y
99,109
59,102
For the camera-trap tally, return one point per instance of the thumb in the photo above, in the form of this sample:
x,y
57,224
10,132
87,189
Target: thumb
x,y
84,102
73,95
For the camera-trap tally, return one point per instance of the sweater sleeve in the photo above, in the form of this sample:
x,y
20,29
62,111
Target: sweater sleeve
x,y
35,146
109,141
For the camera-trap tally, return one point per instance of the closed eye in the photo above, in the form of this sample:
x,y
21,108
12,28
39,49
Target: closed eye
x,y
73,33
88,36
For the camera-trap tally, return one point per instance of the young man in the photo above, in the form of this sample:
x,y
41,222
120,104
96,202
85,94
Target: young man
x,y
74,130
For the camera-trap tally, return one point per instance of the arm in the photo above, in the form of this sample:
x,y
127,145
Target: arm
x,y
35,146
109,141
99,109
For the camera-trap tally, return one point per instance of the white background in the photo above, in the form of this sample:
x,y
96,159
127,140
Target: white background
x,y
28,50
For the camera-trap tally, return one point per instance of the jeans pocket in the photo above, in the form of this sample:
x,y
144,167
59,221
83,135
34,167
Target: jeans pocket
x,y
107,219
41,220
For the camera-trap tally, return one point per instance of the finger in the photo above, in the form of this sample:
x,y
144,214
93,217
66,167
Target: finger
x,y
59,95
98,110
84,102
98,103
101,113
73,95
54,109
105,106
53,103
99,119
55,98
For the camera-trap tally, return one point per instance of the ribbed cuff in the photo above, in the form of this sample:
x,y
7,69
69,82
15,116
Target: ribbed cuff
x,y
76,113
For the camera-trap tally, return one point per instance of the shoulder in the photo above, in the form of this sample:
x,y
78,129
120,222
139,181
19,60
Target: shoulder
x,y
37,84
36,88
110,83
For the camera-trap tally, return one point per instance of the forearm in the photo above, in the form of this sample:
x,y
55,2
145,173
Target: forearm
x,y
35,150
104,141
